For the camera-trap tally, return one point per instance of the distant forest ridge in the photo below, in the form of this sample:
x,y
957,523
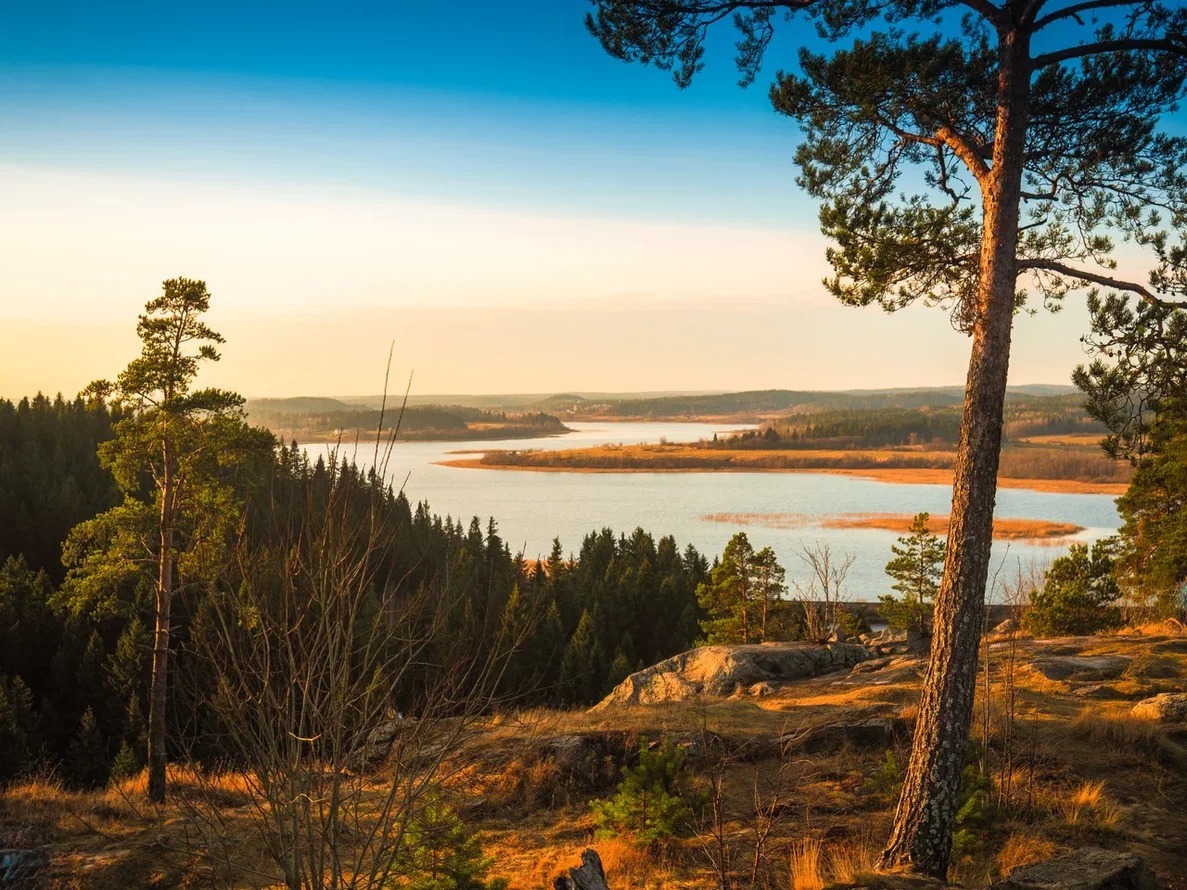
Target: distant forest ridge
x,y
311,418
748,405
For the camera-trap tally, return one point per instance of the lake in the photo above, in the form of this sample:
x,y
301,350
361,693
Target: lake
x,y
533,507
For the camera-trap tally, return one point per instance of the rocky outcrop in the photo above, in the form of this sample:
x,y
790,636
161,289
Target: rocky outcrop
x,y
1085,667
1089,868
18,867
377,745
1169,707
720,671
861,733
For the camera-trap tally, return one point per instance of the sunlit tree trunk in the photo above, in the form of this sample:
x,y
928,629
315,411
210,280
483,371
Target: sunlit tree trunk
x,y
921,839
158,696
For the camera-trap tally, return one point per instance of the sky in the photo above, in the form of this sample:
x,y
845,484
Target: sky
x,y
477,183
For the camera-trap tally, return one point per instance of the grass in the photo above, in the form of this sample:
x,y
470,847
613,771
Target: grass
x,y
1089,804
1101,777
807,865
1023,848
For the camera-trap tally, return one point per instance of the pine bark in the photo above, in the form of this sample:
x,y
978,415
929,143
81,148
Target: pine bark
x,y
921,839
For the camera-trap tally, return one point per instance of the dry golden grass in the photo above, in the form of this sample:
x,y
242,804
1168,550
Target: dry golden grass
x,y
1116,727
1090,805
807,865
1003,529
627,863
1023,848
111,840
852,861
1087,440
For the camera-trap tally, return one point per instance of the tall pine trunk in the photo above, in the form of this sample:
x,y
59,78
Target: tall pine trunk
x,y
921,839
159,691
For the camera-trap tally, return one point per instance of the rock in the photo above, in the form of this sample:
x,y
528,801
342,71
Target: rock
x,y
1007,628
720,671
867,732
1089,868
874,664
1095,667
589,761
1169,707
589,876
1096,690
377,744
18,866
895,882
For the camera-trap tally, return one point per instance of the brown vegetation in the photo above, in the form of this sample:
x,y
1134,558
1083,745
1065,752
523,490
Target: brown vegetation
x,y
1083,772
1036,467
1003,529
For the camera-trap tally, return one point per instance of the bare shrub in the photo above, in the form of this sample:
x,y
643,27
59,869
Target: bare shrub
x,y
341,693
822,594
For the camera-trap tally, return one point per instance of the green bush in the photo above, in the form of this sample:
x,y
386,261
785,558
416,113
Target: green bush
x,y
442,853
886,781
1079,594
654,800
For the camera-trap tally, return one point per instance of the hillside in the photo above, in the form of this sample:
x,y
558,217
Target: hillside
x,y
1071,762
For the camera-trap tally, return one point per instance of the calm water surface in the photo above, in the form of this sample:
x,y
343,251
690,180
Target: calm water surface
x,y
532,508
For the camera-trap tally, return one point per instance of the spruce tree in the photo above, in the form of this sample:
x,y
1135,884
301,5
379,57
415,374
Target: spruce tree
x,y
86,762
972,154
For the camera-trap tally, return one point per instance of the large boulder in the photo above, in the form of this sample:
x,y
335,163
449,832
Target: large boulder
x,y
1085,667
1169,707
720,671
1089,868
862,733
377,744
18,867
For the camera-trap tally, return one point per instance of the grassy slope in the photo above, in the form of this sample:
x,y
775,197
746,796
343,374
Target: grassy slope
x,y
533,823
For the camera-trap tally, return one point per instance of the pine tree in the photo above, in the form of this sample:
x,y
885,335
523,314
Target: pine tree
x,y
184,439
916,567
970,154
440,852
741,589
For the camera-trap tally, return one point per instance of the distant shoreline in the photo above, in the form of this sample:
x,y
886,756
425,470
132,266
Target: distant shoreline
x,y
471,435
891,475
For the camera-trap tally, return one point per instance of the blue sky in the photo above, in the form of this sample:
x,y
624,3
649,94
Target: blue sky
x,y
475,181
510,103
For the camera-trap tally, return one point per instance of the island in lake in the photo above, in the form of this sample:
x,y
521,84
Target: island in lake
x,y
910,436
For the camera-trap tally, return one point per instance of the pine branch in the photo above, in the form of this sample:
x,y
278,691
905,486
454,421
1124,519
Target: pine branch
x,y
1175,48
1074,11
1103,280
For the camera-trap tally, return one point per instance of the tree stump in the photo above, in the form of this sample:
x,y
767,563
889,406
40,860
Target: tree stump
x,y
590,876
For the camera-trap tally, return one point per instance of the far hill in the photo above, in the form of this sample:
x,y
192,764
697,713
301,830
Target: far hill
x,y
313,419
745,406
